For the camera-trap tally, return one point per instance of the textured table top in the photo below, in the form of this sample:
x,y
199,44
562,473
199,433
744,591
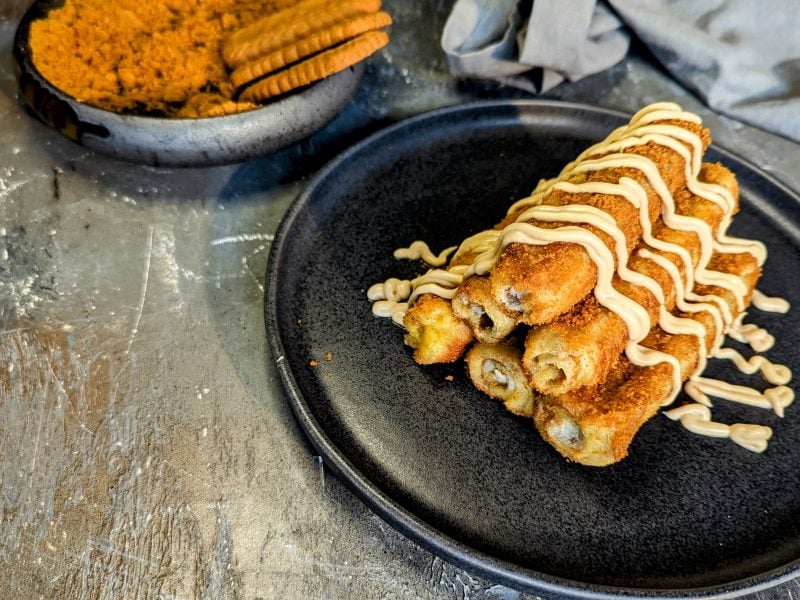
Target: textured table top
x,y
146,447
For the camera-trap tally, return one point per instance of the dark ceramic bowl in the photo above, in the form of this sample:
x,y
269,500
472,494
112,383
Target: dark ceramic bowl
x,y
179,142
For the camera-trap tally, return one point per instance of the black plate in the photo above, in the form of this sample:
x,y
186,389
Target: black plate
x,y
681,516
179,142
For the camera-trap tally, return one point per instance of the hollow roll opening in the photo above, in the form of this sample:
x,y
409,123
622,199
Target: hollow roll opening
x,y
513,300
495,370
497,376
473,303
564,431
548,371
485,322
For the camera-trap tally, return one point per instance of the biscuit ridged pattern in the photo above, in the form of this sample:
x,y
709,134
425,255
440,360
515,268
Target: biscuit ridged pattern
x,y
318,67
317,42
303,44
291,25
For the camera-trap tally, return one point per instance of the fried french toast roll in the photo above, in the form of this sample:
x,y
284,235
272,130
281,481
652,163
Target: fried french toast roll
x,y
474,303
595,425
579,348
567,271
435,333
537,282
719,174
495,369
491,320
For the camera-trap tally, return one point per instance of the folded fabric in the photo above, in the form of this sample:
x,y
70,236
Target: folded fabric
x,y
532,49
741,57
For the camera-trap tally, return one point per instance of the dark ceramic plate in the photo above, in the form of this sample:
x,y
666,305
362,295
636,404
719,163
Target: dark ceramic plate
x,y
179,142
682,516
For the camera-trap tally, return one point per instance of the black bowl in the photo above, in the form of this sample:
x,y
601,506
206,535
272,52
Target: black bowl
x,y
161,141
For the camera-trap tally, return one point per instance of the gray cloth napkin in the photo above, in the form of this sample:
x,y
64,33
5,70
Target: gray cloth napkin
x,y
741,56
557,40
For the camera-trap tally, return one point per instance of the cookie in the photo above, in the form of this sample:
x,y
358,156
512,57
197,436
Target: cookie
x,y
317,42
317,67
289,26
209,104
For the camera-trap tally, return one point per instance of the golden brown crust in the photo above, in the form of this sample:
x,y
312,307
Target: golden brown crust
x,y
317,67
564,273
606,417
495,369
577,350
434,331
538,283
595,426
580,347
594,421
719,174
473,303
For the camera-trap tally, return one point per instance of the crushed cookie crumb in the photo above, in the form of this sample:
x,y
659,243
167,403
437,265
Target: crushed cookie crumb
x,y
329,356
313,363
144,56
449,378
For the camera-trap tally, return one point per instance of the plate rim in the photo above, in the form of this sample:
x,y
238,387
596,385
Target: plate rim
x,y
400,518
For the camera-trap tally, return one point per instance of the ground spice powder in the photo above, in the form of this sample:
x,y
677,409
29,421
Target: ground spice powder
x,y
160,57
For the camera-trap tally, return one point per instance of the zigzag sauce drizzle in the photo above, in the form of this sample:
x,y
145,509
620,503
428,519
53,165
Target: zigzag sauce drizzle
x,y
644,128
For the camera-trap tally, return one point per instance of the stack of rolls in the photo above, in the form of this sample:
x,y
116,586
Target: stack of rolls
x,y
592,303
